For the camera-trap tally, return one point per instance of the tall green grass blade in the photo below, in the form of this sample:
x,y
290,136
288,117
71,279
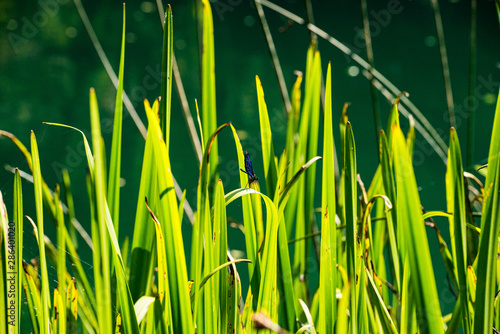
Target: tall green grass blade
x,y
458,224
328,271
306,149
208,105
105,317
270,169
350,193
293,121
182,319
486,259
202,229
113,195
289,304
418,254
166,77
45,294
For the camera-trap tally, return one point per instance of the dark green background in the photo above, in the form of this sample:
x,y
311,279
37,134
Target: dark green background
x,y
46,72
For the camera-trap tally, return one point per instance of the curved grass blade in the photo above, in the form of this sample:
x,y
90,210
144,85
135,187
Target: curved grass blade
x,y
267,298
424,126
105,317
251,241
202,223
142,305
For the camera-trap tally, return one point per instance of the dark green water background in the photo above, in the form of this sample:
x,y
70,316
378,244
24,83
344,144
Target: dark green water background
x,y
48,65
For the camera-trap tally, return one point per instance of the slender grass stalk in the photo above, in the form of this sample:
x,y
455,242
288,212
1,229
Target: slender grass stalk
x,y
472,105
113,196
444,63
166,77
369,57
274,56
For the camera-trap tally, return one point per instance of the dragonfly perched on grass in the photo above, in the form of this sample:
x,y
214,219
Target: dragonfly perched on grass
x,y
249,169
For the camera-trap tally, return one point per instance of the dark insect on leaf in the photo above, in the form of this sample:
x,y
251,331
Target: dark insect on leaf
x,y
249,169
